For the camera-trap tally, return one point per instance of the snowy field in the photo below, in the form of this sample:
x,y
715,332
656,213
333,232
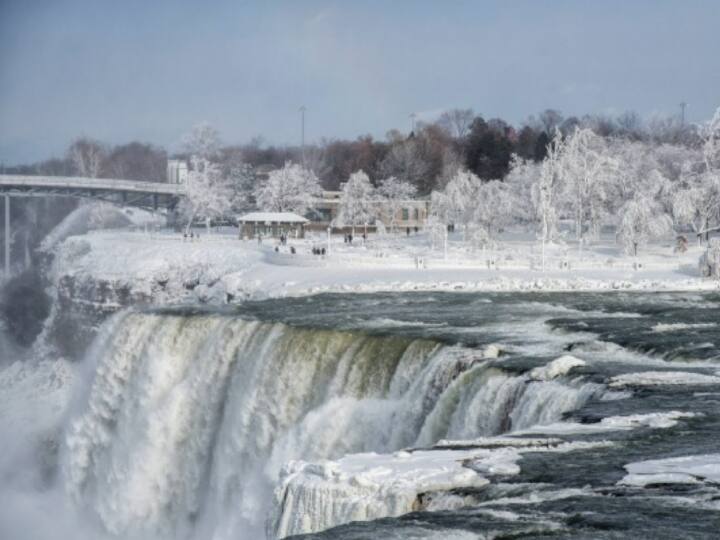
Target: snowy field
x,y
218,267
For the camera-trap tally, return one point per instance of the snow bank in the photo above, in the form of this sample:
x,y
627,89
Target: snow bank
x,y
557,368
654,378
678,470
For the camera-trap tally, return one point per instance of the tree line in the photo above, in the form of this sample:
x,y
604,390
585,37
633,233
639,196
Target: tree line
x,y
427,158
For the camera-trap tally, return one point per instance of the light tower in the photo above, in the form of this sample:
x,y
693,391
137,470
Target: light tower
x,y
683,106
302,133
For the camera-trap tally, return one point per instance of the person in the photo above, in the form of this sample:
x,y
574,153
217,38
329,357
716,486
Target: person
x,y
407,231
350,238
416,229
292,250
322,252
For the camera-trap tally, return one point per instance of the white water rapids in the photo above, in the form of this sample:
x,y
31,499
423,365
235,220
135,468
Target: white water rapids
x,y
186,421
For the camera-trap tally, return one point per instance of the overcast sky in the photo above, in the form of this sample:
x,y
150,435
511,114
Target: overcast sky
x,y
120,70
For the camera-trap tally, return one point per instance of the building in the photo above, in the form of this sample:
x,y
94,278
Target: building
x,y
325,209
177,171
271,225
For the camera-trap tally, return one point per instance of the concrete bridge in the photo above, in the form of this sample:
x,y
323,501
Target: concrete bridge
x,y
149,195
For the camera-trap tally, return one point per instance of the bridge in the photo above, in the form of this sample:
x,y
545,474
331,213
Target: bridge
x,y
148,195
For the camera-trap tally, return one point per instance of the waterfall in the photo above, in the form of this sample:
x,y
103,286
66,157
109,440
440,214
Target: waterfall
x,y
188,419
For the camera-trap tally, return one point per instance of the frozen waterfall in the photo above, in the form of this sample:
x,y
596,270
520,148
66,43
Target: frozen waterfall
x,y
189,419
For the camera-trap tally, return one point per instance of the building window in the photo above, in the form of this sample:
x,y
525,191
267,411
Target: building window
x,y
405,214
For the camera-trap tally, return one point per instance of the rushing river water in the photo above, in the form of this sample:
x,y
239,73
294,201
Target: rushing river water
x,y
179,420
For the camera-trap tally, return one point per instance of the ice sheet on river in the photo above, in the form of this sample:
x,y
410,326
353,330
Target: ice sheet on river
x,y
677,470
654,378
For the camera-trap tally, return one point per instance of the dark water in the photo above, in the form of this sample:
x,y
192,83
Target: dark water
x,y
572,495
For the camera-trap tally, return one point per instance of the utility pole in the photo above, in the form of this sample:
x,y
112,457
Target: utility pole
x,y
302,133
683,106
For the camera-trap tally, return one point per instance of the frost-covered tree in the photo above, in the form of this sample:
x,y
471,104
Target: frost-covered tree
x,y
710,260
461,193
87,157
203,141
700,198
208,194
241,179
290,189
520,182
546,190
393,192
641,219
586,171
697,199
357,205
492,211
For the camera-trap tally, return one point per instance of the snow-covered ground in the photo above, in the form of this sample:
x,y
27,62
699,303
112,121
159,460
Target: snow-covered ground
x,y
219,267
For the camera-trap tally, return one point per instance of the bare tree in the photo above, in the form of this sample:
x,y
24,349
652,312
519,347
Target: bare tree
x,y
456,122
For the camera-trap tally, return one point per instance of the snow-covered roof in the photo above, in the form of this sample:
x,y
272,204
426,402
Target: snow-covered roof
x,y
272,217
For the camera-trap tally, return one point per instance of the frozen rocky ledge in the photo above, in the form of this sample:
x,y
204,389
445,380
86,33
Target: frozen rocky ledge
x,y
312,497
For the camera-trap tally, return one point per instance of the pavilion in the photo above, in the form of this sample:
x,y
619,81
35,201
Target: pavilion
x,y
271,224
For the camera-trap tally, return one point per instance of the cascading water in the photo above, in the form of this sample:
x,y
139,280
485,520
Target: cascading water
x,y
189,418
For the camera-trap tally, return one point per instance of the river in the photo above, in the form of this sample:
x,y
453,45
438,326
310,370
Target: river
x,y
177,421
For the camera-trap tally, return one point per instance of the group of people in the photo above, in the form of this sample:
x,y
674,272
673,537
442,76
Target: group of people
x,y
349,238
192,236
319,251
